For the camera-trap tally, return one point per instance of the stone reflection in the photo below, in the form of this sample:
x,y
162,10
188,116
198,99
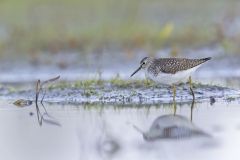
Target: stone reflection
x,y
107,144
108,147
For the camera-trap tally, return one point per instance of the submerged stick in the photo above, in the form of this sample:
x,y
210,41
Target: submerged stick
x,y
39,87
37,90
49,81
40,116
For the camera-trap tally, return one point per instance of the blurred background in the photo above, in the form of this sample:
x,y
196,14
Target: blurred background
x,y
79,39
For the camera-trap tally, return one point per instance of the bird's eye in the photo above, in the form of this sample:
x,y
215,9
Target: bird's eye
x,y
143,63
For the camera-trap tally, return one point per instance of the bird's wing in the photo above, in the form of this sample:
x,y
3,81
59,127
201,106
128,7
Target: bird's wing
x,y
173,65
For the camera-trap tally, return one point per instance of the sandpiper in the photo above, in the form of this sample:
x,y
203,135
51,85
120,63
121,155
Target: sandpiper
x,y
170,71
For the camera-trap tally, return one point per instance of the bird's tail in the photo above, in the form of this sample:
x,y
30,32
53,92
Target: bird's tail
x,y
203,60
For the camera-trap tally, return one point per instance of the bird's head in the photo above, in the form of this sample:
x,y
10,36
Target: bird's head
x,y
144,63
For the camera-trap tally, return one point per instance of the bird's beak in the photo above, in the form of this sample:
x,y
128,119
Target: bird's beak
x,y
136,70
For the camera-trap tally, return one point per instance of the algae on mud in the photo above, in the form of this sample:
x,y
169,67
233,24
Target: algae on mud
x,y
120,91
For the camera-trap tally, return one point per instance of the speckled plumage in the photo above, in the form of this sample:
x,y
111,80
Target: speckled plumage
x,y
169,70
173,65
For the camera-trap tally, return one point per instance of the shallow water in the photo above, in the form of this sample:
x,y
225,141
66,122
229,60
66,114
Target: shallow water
x,y
106,132
117,122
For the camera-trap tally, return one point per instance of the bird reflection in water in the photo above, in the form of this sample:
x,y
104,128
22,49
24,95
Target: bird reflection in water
x,y
172,126
193,100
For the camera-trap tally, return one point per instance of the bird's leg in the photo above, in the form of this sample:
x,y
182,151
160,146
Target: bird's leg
x,y
190,86
174,92
174,101
193,101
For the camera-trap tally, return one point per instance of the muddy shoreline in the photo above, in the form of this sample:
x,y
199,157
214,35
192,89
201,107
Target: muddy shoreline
x,y
123,93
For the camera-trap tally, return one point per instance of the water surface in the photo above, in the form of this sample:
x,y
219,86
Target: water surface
x,y
106,132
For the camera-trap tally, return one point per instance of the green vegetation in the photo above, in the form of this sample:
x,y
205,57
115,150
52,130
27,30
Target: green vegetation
x,y
96,83
33,26
89,92
118,82
88,83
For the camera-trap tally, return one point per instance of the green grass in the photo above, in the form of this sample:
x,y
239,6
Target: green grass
x,y
90,84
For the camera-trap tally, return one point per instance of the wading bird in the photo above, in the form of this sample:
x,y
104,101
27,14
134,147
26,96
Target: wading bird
x,y
170,71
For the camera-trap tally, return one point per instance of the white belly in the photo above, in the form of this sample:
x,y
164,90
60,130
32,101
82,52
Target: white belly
x,y
165,78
